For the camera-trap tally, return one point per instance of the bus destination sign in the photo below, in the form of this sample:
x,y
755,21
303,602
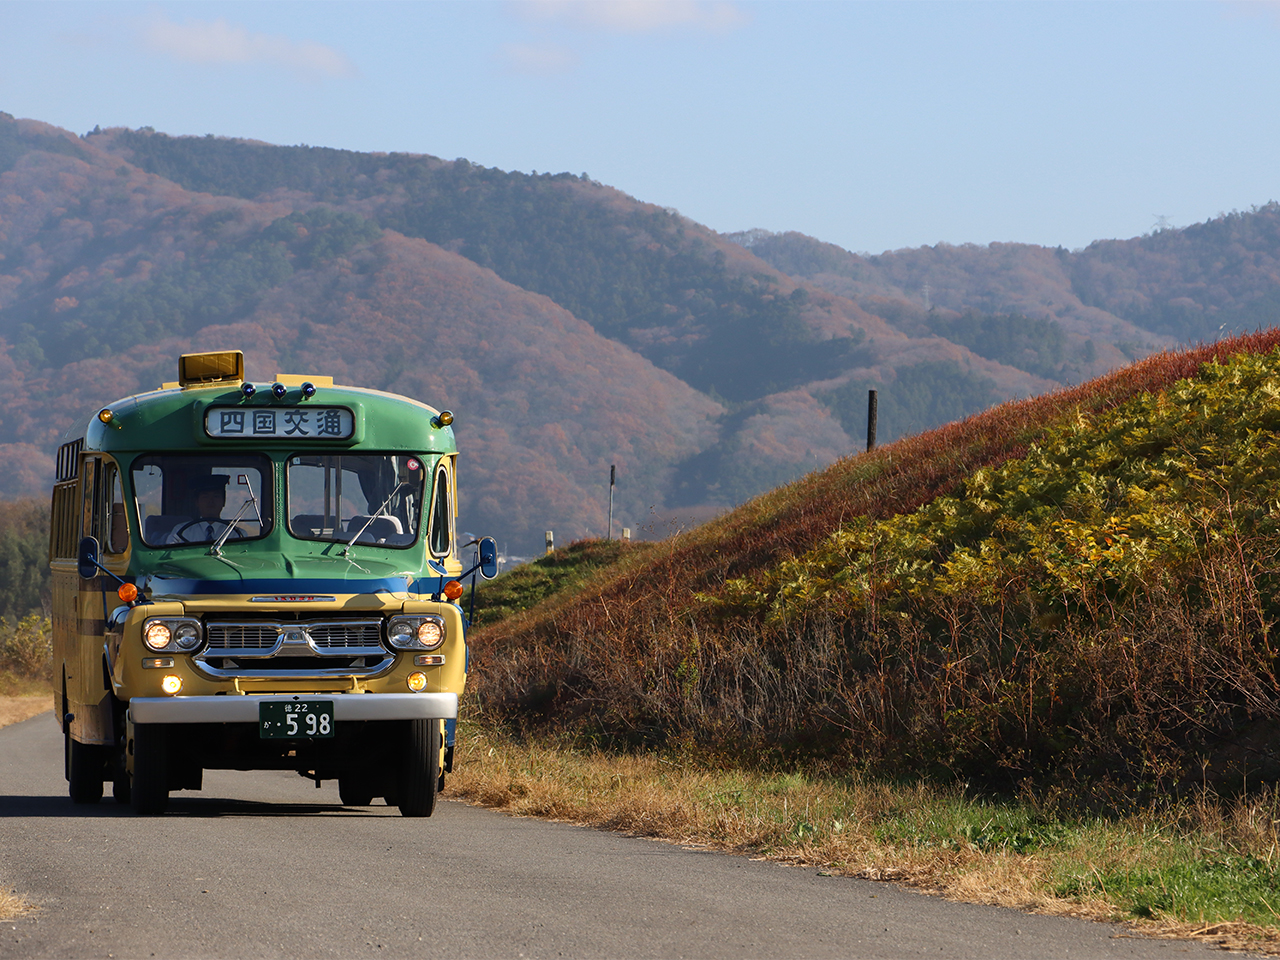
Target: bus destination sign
x,y
290,423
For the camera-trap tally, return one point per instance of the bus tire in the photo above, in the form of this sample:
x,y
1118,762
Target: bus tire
x,y
85,770
354,791
421,769
121,788
149,787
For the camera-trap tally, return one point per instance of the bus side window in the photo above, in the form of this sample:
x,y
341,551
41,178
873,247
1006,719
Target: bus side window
x,y
117,532
90,491
441,513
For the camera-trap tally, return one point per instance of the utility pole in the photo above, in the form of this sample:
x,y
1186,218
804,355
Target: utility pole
x,y
613,474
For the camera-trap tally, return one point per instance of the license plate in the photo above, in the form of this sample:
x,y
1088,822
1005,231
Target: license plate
x,y
295,720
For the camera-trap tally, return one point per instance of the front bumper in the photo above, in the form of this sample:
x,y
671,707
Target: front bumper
x,y
244,709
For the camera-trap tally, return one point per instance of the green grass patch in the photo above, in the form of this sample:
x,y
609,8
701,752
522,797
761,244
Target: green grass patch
x,y
1189,888
560,572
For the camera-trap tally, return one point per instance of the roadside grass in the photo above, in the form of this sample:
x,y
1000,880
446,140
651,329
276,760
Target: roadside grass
x,y
1203,868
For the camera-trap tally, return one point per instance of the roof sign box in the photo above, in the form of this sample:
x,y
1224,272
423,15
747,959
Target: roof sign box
x,y
285,423
199,368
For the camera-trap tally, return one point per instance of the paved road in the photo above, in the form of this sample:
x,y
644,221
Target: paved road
x,y
265,865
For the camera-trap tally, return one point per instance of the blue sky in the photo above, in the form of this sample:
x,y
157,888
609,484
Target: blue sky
x,y
872,125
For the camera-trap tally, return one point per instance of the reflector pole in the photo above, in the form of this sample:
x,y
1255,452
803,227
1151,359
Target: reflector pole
x,y
613,474
871,419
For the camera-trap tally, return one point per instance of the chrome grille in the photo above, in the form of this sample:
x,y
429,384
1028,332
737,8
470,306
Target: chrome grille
x,y
243,636
357,634
261,649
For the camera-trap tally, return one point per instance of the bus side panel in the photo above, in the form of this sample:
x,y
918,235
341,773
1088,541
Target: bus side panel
x,y
66,587
90,702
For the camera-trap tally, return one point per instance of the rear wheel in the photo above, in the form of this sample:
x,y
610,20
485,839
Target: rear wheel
x,y
421,769
149,774
86,768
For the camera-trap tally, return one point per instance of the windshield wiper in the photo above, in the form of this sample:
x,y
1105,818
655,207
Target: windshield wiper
x,y
374,516
241,481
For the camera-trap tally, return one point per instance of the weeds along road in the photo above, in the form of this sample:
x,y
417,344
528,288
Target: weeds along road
x,y
265,865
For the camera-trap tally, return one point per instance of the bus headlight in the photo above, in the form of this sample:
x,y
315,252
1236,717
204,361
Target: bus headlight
x,y
178,634
187,636
157,635
416,633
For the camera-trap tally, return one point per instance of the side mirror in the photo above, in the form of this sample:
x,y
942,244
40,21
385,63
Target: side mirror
x,y
88,560
488,557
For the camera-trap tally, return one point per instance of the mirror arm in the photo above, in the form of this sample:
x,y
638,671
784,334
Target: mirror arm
x,y
116,577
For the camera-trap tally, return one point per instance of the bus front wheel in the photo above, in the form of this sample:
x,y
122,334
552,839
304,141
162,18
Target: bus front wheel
x,y
421,769
354,791
149,769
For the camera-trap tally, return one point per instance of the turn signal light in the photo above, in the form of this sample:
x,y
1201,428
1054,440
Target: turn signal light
x,y
453,589
128,592
171,684
417,681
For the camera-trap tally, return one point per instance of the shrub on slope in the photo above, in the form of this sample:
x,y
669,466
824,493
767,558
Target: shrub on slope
x,y
935,657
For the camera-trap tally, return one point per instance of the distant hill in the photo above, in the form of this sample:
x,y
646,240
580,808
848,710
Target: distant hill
x,y
570,325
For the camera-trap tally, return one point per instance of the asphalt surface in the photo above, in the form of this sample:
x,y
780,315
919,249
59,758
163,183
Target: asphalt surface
x,y
266,865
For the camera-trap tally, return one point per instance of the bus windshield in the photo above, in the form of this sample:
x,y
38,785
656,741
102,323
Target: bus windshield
x,y
356,498
185,499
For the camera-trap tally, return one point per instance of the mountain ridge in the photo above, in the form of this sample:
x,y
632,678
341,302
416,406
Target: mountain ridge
x,y
746,365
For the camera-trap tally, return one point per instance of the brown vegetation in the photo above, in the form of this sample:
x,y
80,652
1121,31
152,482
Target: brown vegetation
x,y
649,653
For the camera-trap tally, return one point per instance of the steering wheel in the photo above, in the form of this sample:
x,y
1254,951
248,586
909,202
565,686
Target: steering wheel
x,y
179,532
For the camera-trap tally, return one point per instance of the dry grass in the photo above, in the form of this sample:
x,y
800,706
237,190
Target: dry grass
x,y
17,709
848,827
12,905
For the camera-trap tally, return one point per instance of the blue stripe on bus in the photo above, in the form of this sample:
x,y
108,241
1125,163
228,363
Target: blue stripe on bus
x,y
166,585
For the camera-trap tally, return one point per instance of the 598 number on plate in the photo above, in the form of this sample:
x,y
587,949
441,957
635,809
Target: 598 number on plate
x,y
295,720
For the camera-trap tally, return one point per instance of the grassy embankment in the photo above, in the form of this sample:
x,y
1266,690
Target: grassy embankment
x,y
1026,658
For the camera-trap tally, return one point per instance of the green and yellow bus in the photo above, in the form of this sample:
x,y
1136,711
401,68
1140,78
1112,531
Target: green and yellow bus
x,y
259,577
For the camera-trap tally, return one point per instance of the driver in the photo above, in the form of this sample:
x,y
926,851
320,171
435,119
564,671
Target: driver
x,y
210,498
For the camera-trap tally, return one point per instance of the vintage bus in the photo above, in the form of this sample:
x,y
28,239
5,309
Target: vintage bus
x,y
259,576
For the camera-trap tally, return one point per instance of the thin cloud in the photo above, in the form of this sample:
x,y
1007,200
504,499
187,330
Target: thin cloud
x,y
637,16
1267,9
220,42
538,59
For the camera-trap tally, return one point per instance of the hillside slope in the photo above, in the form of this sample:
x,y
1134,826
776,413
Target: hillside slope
x,y
1079,585
109,273
682,296
130,245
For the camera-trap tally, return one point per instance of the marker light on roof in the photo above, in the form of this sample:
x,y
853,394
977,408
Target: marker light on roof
x,y
278,389
248,389
308,390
